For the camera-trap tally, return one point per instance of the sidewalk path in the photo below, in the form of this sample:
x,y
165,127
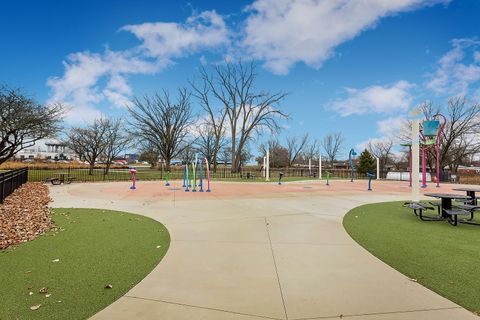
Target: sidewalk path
x,y
273,255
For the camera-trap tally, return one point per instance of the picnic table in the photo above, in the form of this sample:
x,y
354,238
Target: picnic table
x,y
447,211
247,176
470,192
446,200
61,177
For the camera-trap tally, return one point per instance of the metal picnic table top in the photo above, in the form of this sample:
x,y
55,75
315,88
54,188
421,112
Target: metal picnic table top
x,y
468,189
448,196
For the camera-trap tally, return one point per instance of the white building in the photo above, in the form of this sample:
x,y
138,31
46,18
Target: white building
x,y
46,149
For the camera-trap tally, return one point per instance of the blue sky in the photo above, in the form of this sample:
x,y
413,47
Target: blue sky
x,y
349,66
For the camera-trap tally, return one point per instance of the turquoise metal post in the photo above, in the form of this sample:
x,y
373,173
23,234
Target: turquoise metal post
x,y
350,154
186,178
184,175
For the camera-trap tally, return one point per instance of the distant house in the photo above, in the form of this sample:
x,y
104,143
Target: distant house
x,y
47,149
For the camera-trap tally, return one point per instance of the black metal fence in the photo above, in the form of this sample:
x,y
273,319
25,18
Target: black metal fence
x,y
42,174
11,180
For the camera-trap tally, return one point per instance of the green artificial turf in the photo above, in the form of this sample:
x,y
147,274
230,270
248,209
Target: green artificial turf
x,y
441,257
95,248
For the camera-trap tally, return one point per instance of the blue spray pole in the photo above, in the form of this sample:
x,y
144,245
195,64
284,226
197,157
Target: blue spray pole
x,y
370,176
201,176
350,159
186,177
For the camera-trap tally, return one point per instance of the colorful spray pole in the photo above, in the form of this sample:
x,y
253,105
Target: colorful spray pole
x,y
350,159
201,175
208,175
184,175
370,176
133,173
437,146
186,178
424,165
166,179
194,169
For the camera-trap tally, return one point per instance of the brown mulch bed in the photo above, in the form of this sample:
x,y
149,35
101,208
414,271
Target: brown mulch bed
x,y
24,215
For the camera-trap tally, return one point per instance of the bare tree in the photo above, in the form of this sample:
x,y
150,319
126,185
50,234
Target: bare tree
x,y
150,154
381,149
295,147
209,143
248,111
459,139
224,156
23,122
188,153
163,123
279,156
116,141
89,142
215,124
312,151
332,143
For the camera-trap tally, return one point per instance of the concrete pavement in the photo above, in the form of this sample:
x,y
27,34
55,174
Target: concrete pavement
x,y
267,256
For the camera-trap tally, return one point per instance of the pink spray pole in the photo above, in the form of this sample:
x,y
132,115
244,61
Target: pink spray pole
x,y
208,175
437,146
424,160
424,167
410,163
133,173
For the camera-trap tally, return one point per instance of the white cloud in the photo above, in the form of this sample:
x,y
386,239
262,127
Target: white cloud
x,y
374,99
458,69
80,87
391,127
162,39
90,79
284,32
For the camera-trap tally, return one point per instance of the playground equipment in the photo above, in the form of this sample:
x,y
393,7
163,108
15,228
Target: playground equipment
x,y
201,176
166,179
133,175
351,154
208,175
328,178
280,175
434,129
196,166
370,177
194,174
186,181
429,135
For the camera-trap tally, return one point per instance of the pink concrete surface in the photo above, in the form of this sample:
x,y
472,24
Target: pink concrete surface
x,y
232,190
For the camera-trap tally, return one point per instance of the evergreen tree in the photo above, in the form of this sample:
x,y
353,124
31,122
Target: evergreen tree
x,y
366,163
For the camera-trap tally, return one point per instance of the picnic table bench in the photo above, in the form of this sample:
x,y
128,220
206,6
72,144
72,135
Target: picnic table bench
x,y
248,175
64,178
450,212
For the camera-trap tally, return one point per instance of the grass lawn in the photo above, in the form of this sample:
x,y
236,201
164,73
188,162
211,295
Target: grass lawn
x,y
94,248
441,257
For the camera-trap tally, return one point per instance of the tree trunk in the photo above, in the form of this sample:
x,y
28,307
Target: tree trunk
x,y
233,157
214,160
167,164
90,169
107,167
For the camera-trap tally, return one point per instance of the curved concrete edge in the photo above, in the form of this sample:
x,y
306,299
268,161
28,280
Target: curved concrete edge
x,y
281,258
